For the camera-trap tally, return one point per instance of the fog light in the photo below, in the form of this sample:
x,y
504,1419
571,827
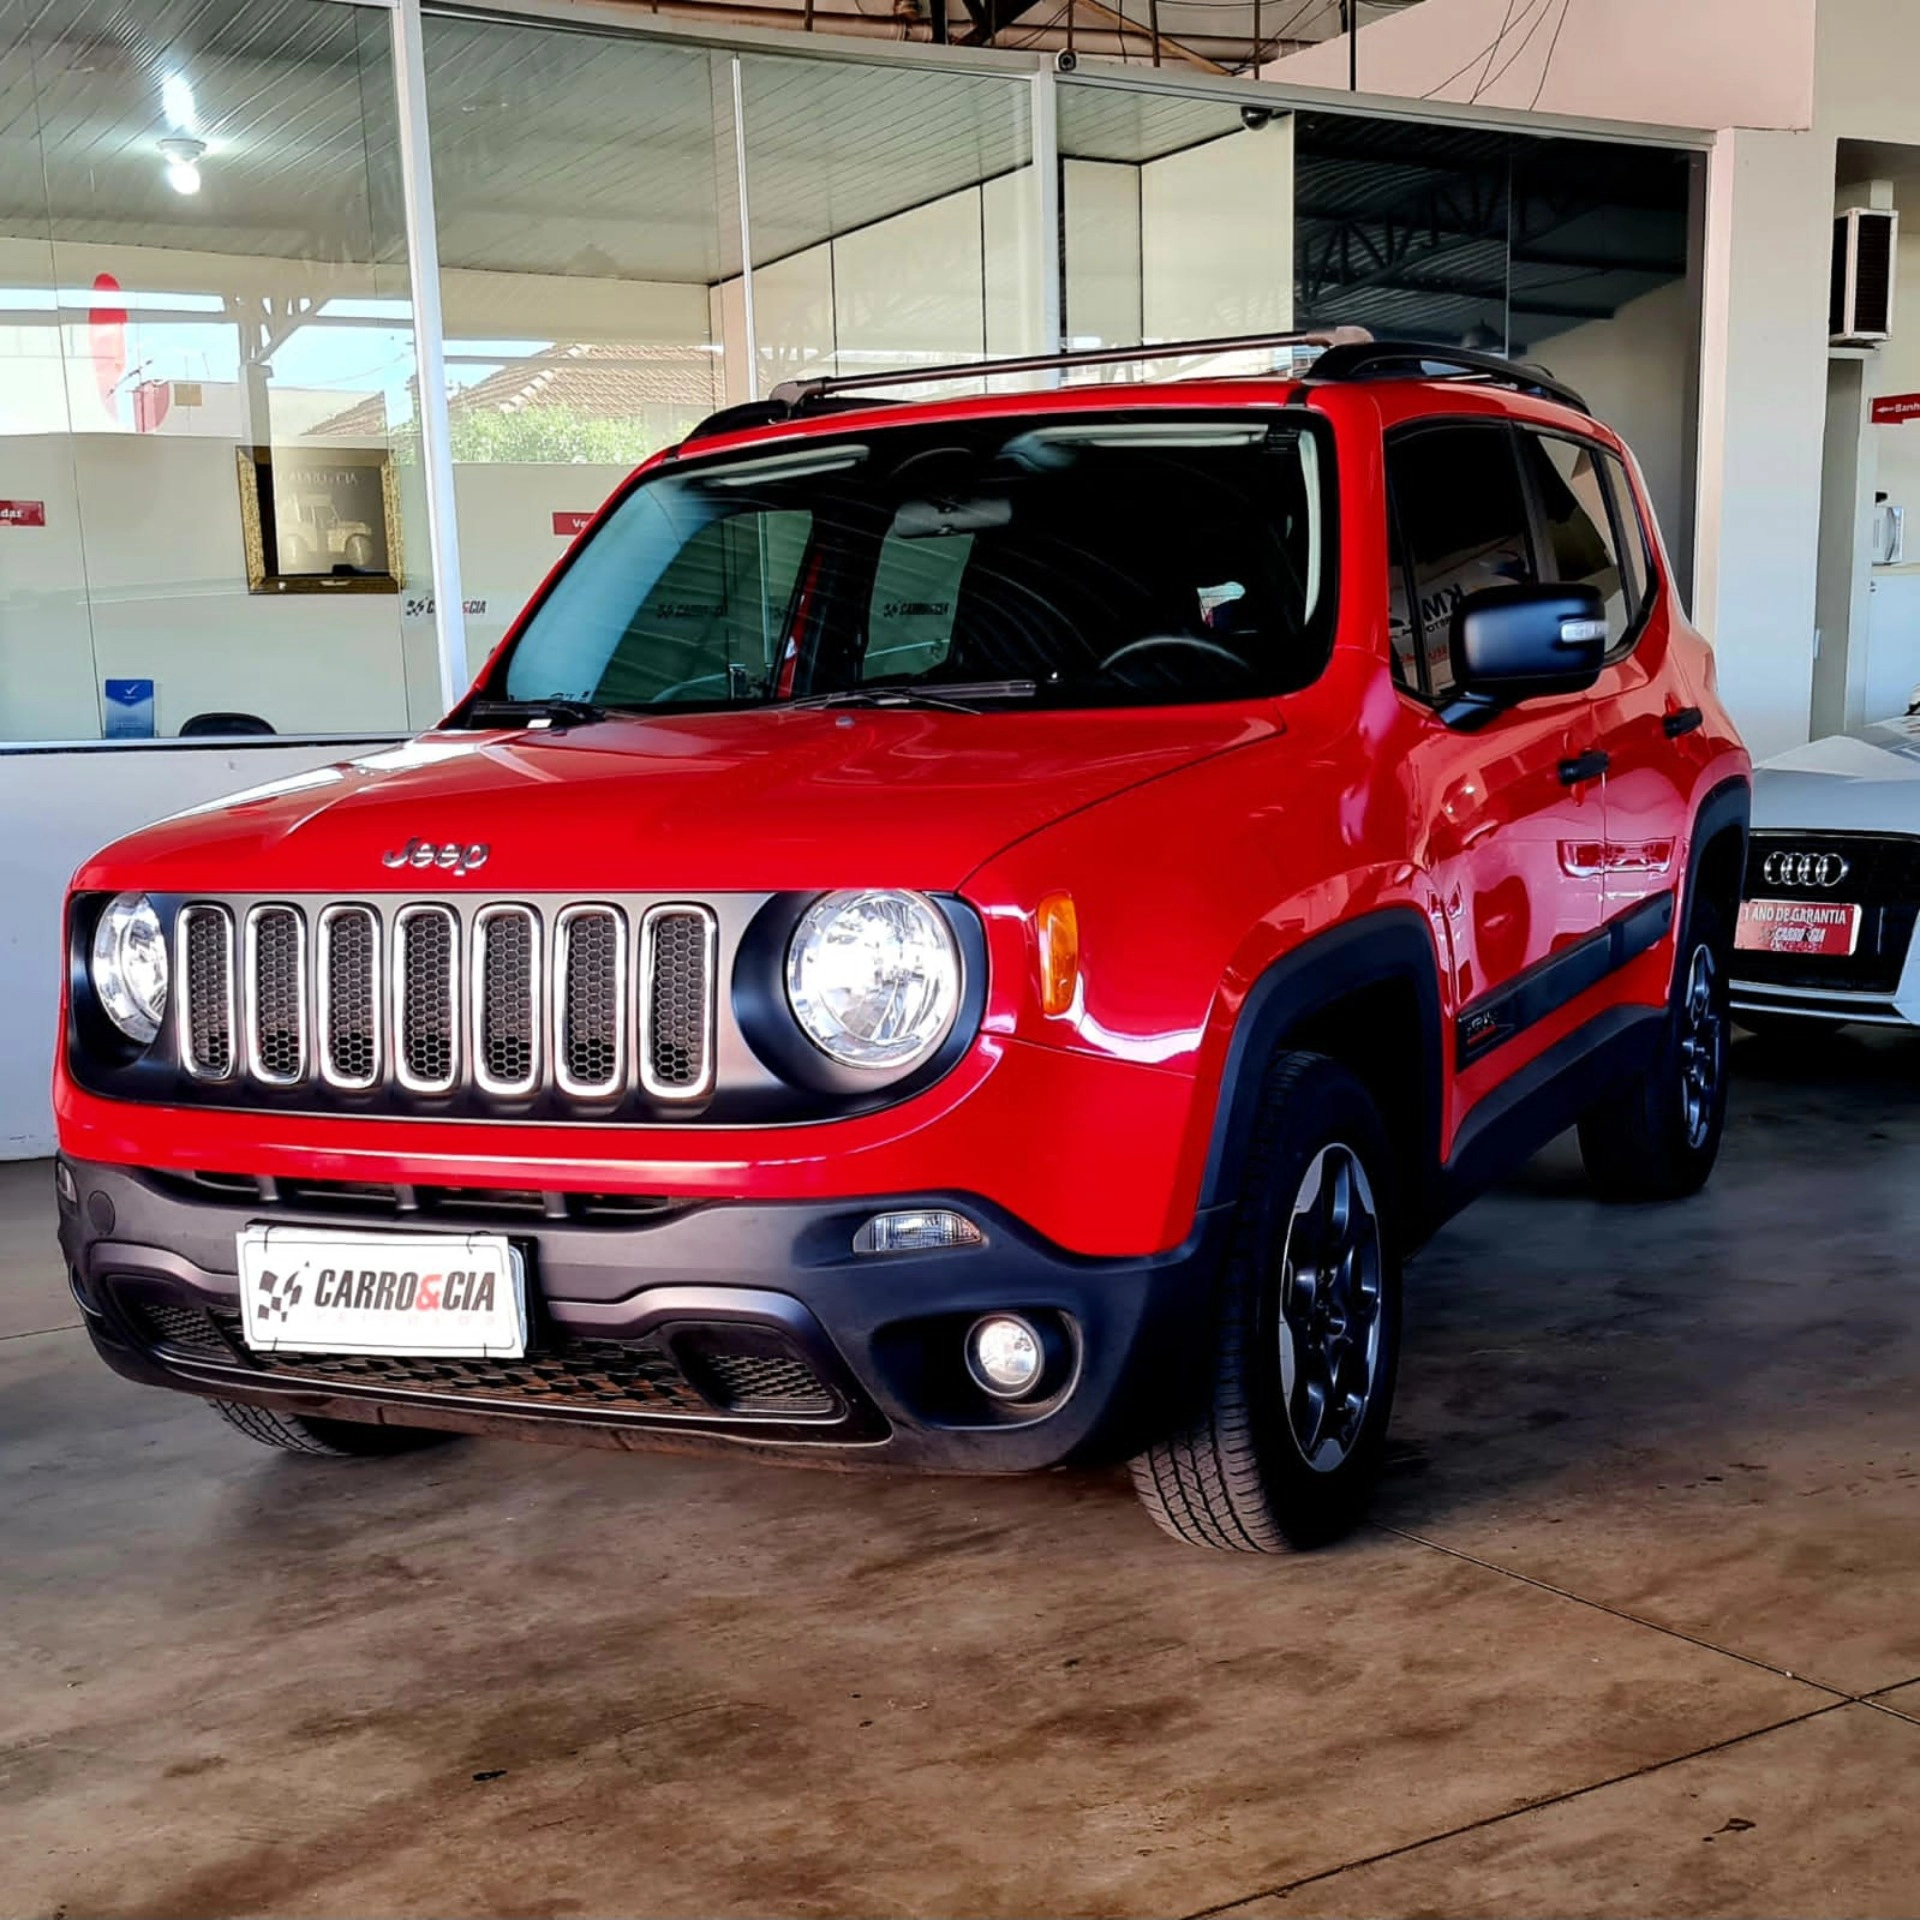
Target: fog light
x,y
1005,1355
920,1232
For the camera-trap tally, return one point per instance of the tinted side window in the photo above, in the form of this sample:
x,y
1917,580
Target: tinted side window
x,y
1636,562
1580,547
1462,520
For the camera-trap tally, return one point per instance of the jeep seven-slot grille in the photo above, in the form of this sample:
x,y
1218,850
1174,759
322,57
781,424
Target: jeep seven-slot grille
x,y
507,1000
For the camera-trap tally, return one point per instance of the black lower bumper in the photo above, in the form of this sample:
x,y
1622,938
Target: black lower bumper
x,y
734,1325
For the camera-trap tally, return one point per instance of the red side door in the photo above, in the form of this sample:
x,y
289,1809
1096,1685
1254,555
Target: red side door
x,y
1590,528
1510,809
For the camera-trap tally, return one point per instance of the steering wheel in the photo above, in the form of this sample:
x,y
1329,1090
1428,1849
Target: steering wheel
x,y
1176,640
687,686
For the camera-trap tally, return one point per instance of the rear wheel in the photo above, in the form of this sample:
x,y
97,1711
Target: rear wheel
x,y
1306,1333
1657,1136
334,1439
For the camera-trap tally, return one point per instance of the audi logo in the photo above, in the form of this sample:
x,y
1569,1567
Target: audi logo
x,y
1803,869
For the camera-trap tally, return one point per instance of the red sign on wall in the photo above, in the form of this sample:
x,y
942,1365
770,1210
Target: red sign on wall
x,y
566,525
23,513
1892,408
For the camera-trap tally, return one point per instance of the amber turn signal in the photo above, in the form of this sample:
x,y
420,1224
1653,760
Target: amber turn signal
x,y
1059,928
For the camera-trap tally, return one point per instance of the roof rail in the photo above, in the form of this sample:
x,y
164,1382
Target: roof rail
x,y
1414,359
798,393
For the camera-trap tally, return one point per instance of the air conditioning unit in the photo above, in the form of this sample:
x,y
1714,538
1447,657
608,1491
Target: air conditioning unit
x,y
1860,308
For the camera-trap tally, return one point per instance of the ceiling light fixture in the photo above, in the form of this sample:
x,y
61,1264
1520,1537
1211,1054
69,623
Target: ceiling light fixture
x,y
183,164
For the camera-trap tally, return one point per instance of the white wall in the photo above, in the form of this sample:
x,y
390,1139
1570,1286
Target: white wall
x,y
58,808
1681,63
1762,424
140,573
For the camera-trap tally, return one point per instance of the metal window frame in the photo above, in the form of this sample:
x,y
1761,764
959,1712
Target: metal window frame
x,y
563,1075
330,917
412,912
183,1027
483,922
650,1082
250,999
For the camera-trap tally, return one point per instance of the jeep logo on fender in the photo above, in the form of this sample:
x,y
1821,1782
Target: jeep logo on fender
x,y
464,1290
449,854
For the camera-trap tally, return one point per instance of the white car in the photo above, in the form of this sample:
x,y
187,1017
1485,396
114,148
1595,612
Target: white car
x,y
1826,933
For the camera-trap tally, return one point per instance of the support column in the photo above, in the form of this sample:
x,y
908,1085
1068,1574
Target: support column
x,y
1762,421
429,351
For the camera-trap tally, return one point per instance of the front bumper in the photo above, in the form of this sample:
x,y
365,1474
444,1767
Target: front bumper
x,y
718,1325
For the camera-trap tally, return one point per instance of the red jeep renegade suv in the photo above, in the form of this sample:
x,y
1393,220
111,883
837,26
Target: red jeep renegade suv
x,y
968,934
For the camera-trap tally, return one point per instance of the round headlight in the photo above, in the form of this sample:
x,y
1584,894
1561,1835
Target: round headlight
x,y
130,966
874,977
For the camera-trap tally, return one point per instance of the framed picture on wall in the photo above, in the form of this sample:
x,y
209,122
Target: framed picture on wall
x,y
320,520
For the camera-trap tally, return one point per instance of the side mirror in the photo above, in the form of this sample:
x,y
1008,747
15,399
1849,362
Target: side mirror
x,y
1510,644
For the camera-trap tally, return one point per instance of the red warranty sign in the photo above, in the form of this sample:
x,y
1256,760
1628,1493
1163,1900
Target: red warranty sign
x,y
1892,408
23,513
1818,928
566,525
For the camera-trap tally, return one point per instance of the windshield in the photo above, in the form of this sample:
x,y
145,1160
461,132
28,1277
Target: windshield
x,y
1074,560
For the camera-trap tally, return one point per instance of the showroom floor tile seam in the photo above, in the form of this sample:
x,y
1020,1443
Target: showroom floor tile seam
x,y
1842,1696
1281,1889
40,1333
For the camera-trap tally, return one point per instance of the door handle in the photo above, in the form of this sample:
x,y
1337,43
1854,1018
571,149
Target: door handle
x,y
1582,767
1681,721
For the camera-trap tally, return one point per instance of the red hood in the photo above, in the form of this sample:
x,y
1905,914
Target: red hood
x,y
715,802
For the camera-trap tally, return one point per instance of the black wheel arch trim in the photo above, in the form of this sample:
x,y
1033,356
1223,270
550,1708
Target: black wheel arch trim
x,y
1727,808
1391,946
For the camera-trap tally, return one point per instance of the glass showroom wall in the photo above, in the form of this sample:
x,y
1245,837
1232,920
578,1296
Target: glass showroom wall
x,y
591,236
213,514
584,196
205,348
1188,217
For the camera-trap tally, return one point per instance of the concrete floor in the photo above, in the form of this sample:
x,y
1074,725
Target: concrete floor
x,y
1636,1630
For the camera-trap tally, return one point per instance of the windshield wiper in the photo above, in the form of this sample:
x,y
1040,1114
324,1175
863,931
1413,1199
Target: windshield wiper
x,y
553,710
957,698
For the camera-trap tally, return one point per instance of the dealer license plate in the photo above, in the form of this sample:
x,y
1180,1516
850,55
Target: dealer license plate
x,y
307,1290
1817,929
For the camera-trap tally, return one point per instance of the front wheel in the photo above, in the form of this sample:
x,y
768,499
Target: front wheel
x,y
1306,1331
331,1439
1657,1136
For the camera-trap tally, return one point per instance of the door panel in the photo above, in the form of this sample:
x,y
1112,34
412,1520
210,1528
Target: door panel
x,y
1593,532
1516,849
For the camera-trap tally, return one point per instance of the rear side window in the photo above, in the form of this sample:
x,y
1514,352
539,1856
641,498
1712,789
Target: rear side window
x,y
1577,526
1459,525
1636,563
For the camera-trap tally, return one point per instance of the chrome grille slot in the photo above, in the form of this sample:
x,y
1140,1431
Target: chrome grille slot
x,y
677,946
506,999
348,970
204,942
590,1019
277,995
426,987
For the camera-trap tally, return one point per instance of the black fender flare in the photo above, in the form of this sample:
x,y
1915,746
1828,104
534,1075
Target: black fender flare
x,y
1727,806
1393,945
